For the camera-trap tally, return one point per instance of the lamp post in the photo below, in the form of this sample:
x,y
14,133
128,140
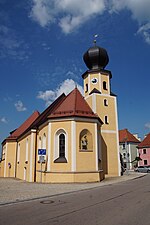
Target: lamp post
x,y
127,155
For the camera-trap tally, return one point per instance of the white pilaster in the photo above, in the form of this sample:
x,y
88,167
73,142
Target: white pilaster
x,y
96,148
99,145
89,83
5,165
117,137
94,103
49,147
100,83
73,145
108,86
31,154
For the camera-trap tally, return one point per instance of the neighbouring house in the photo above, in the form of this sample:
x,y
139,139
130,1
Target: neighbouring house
x,y
128,148
75,139
144,151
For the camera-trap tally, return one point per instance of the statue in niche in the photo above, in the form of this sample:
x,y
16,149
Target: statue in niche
x,y
84,143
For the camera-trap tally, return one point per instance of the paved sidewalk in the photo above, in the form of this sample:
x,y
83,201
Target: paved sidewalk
x,y
14,190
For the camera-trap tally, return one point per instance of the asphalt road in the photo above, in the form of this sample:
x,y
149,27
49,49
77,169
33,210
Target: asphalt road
x,y
126,203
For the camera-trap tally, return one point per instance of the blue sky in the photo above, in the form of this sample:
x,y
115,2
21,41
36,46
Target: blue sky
x,y
41,47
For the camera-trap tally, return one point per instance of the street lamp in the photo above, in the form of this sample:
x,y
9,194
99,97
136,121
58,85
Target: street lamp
x,y
126,155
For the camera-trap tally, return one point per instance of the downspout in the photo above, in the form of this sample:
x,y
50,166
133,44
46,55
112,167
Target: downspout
x,y
35,157
16,159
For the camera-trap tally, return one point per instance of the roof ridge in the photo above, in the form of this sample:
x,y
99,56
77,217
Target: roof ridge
x,y
25,125
49,109
75,104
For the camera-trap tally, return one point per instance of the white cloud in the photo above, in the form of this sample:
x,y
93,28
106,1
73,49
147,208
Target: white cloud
x,y
71,14
4,120
140,11
116,5
68,14
69,23
65,87
147,125
19,106
48,96
145,32
78,12
41,12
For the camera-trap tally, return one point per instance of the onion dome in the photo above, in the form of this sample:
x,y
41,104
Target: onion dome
x,y
96,58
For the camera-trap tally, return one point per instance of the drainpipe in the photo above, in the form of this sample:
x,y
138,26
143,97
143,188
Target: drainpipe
x,y
35,157
16,159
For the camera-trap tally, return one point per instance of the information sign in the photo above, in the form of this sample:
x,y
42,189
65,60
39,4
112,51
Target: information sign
x,y
41,151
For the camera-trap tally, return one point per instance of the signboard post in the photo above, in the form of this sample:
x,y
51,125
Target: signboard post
x,y
42,154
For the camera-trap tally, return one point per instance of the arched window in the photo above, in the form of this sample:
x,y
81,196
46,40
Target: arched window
x,y
86,88
85,140
104,85
61,145
105,102
106,120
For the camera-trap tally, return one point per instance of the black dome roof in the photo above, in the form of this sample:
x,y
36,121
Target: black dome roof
x,y
96,58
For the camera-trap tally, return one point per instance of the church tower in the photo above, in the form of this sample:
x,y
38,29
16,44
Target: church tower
x,y
97,92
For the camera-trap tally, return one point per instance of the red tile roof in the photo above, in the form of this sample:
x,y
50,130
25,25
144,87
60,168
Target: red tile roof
x,y
64,106
74,105
126,136
145,142
20,130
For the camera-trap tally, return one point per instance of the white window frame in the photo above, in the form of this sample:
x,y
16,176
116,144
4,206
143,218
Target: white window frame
x,y
56,143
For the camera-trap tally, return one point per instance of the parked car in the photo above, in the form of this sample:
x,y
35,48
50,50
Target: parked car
x,y
143,169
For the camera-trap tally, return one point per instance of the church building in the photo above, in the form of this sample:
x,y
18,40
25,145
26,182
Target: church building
x,y
75,139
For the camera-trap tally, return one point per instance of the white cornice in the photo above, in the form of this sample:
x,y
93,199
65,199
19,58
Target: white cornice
x,y
102,95
109,131
77,119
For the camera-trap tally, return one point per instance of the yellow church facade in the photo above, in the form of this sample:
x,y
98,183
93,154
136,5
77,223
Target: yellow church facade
x,y
75,139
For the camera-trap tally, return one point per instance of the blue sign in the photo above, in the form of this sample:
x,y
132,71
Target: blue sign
x,y
41,151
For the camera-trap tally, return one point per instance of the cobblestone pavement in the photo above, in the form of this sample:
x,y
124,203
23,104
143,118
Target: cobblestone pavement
x,y
14,190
